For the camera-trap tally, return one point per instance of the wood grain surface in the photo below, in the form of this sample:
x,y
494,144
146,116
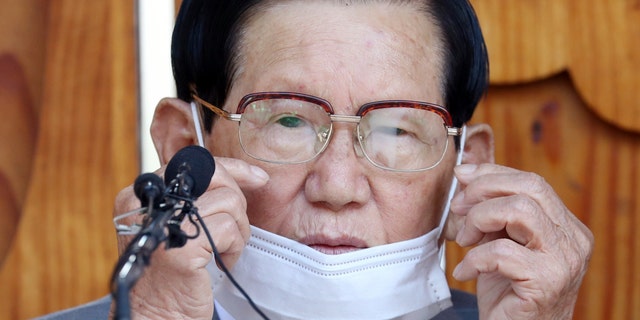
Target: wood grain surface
x,y
21,66
595,41
64,249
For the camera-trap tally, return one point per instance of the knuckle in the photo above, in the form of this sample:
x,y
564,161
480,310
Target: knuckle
x,y
578,243
524,204
227,226
584,251
536,183
504,248
589,241
125,201
498,250
233,200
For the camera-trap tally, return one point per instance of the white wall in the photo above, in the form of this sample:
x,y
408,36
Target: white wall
x,y
155,24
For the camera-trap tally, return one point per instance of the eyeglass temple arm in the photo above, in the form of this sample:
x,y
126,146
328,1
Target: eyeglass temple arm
x,y
220,112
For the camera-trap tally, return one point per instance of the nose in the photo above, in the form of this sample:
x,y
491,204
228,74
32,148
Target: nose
x,y
338,176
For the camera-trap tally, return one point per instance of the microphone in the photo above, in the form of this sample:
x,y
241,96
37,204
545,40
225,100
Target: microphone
x,y
190,171
149,188
188,175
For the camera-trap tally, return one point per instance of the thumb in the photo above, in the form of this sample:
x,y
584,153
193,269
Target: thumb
x,y
248,177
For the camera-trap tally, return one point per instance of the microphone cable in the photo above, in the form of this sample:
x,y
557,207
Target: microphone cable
x,y
223,267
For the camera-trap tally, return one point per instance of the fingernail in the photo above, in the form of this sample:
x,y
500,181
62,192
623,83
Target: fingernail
x,y
466,168
257,171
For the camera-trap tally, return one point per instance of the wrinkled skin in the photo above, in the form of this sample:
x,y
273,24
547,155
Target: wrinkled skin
x,y
531,252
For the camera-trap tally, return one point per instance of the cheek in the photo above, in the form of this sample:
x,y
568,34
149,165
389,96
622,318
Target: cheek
x,y
276,207
267,207
418,201
415,208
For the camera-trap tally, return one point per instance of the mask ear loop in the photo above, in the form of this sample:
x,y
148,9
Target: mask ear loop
x,y
197,123
452,192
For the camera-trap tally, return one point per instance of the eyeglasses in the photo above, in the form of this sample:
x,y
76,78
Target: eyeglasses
x,y
292,128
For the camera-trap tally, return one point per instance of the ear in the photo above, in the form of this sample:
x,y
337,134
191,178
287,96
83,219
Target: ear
x,y
478,149
172,128
479,145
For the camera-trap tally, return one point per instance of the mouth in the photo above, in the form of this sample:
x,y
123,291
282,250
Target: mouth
x,y
328,245
326,249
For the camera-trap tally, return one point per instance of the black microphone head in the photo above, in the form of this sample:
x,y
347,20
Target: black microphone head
x,y
148,186
197,163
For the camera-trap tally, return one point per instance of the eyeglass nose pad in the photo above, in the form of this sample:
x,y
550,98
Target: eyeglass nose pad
x,y
357,142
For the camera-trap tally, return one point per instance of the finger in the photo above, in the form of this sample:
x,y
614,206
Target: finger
x,y
224,194
551,229
222,212
487,181
125,201
482,182
226,235
453,226
517,217
227,200
501,256
535,277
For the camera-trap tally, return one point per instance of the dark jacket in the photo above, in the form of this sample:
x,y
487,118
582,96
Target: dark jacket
x,y
465,307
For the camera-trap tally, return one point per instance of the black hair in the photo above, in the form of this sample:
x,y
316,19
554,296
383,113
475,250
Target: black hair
x,y
207,34
466,62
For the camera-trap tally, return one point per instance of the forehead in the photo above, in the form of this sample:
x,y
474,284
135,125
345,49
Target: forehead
x,y
358,52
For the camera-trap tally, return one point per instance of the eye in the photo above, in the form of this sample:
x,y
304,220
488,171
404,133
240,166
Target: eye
x,y
393,131
290,121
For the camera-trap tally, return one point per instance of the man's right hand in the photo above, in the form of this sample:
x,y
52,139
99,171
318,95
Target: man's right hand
x,y
176,285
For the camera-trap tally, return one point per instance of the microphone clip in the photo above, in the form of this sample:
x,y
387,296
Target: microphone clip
x,y
182,185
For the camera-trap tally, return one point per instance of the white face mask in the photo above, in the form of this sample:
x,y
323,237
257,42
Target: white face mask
x,y
289,280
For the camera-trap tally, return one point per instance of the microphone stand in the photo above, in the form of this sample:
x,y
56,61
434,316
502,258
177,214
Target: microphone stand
x,y
137,255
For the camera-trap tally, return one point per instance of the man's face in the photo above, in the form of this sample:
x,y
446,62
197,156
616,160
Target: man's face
x,y
348,55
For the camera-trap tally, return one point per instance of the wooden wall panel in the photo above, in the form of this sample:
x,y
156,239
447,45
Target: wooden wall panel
x,y
86,151
604,61
524,40
597,41
21,65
